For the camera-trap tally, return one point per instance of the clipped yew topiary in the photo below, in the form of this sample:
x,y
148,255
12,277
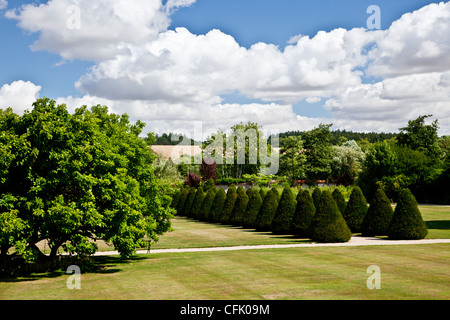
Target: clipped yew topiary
x,y
175,198
262,193
189,201
340,200
253,206
317,192
197,203
215,213
407,222
207,204
356,210
304,215
281,223
239,207
182,200
378,216
267,211
328,225
228,205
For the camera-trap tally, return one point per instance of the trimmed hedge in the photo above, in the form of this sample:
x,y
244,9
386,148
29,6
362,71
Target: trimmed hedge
x,y
267,211
197,204
340,200
356,210
189,201
228,205
239,207
378,217
175,198
184,192
215,213
207,204
304,215
317,192
281,223
328,225
407,222
253,206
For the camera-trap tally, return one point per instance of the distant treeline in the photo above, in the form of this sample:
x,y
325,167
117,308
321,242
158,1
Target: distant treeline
x,y
339,135
336,137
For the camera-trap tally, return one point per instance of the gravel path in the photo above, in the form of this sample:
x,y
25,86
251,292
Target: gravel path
x,y
354,241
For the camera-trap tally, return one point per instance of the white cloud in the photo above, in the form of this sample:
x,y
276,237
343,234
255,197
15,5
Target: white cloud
x,y
107,28
418,42
19,95
3,4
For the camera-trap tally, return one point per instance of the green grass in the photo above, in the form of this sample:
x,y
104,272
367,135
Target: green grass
x,y
407,271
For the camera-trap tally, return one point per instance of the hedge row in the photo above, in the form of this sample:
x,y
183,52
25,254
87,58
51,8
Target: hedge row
x,y
322,216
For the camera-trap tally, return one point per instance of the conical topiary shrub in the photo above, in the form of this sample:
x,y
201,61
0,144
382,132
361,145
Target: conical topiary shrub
x,y
253,206
207,204
281,223
197,204
182,200
304,215
215,213
328,225
340,200
317,192
228,205
175,198
267,211
356,210
262,193
189,201
378,216
239,207
407,222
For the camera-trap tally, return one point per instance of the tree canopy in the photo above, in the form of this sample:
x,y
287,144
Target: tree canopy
x,y
71,179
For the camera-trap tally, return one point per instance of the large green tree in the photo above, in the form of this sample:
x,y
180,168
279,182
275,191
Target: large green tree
x,y
70,179
292,158
319,152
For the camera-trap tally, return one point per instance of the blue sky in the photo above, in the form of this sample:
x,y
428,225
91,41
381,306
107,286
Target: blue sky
x,y
60,71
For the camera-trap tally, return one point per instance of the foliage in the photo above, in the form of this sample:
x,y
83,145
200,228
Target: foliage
x,y
175,198
208,170
215,213
407,222
253,206
228,205
197,204
263,180
420,137
189,201
378,217
166,169
304,215
292,159
340,200
239,208
347,162
184,192
207,204
328,225
281,223
73,178
193,180
355,210
319,153
316,194
267,211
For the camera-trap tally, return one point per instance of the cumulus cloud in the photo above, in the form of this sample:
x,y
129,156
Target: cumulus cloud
x,y
3,4
106,28
19,95
173,78
418,42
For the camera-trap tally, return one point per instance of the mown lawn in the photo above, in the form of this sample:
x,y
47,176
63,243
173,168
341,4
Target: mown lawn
x,y
407,271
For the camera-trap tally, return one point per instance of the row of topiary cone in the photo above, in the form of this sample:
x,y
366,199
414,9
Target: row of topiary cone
x,y
322,216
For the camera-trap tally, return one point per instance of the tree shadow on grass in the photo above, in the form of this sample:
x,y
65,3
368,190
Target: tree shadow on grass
x,y
438,224
94,265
